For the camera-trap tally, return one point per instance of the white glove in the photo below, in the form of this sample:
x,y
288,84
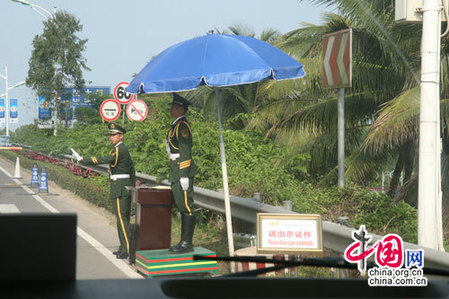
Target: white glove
x,y
167,147
184,183
76,155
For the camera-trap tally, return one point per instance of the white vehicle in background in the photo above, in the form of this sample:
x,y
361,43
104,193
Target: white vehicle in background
x,y
4,140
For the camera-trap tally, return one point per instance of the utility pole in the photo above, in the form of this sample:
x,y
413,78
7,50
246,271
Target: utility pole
x,y
430,233
429,12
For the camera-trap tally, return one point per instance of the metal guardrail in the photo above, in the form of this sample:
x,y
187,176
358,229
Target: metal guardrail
x,y
21,145
336,237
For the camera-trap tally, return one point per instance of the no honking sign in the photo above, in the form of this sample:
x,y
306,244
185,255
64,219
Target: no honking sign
x,y
137,110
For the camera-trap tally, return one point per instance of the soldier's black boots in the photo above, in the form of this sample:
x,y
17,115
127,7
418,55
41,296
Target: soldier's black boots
x,y
187,228
121,255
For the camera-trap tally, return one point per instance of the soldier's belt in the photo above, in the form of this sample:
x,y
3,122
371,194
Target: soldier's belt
x,y
173,156
114,177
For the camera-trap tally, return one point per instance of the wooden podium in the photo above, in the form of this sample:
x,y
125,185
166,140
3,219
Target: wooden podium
x,y
153,218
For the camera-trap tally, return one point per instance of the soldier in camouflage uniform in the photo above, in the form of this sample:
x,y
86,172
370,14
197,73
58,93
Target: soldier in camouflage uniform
x,y
182,171
122,174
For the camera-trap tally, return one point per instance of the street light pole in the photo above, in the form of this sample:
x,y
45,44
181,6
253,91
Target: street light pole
x,y
44,13
6,100
39,9
7,88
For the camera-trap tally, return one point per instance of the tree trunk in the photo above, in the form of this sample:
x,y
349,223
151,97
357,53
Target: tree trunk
x,y
56,121
404,162
409,160
396,175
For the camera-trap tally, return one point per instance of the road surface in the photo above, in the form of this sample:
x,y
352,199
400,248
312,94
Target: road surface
x,y
96,231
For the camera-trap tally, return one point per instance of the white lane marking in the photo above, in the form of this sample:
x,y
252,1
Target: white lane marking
x,y
107,253
7,173
120,264
45,204
9,209
27,189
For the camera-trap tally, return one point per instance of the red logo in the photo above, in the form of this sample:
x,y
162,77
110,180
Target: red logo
x,y
389,250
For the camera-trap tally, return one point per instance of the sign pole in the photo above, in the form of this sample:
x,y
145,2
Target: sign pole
x,y
341,137
122,97
337,73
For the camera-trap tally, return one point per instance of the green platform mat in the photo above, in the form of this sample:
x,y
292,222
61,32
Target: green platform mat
x,y
161,262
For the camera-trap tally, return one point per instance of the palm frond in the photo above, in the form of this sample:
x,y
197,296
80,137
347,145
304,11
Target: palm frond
x,y
397,123
270,35
240,29
359,168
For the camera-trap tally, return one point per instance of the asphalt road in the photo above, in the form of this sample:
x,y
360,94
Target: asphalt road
x,y
96,231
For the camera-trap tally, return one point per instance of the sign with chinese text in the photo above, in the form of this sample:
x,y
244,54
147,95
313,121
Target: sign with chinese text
x,y
288,233
110,110
78,98
71,98
13,113
2,111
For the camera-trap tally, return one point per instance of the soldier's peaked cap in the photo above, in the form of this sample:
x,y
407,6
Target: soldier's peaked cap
x,y
115,129
178,100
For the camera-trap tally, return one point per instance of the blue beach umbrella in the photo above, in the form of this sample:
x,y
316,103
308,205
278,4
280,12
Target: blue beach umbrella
x,y
215,60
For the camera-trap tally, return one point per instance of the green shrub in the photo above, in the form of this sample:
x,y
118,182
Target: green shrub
x,y
381,215
254,165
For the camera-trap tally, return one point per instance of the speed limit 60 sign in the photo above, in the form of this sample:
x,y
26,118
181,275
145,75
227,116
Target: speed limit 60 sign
x,y
121,95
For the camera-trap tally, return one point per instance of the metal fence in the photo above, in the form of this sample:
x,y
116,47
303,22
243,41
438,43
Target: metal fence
x,y
336,237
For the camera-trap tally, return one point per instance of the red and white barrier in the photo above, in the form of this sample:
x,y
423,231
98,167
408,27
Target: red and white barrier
x,y
247,266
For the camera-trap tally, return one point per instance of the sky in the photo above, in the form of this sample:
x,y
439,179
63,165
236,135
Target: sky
x,y
124,35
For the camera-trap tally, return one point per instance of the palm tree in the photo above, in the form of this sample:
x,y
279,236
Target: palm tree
x,y
385,64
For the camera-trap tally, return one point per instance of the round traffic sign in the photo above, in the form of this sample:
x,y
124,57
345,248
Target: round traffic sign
x,y
110,110
137,110
121,95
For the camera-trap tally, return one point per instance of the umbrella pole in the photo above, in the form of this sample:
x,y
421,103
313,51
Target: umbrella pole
x,y
224,170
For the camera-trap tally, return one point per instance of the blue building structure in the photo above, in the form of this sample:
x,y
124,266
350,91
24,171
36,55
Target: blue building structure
x,y
72,96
